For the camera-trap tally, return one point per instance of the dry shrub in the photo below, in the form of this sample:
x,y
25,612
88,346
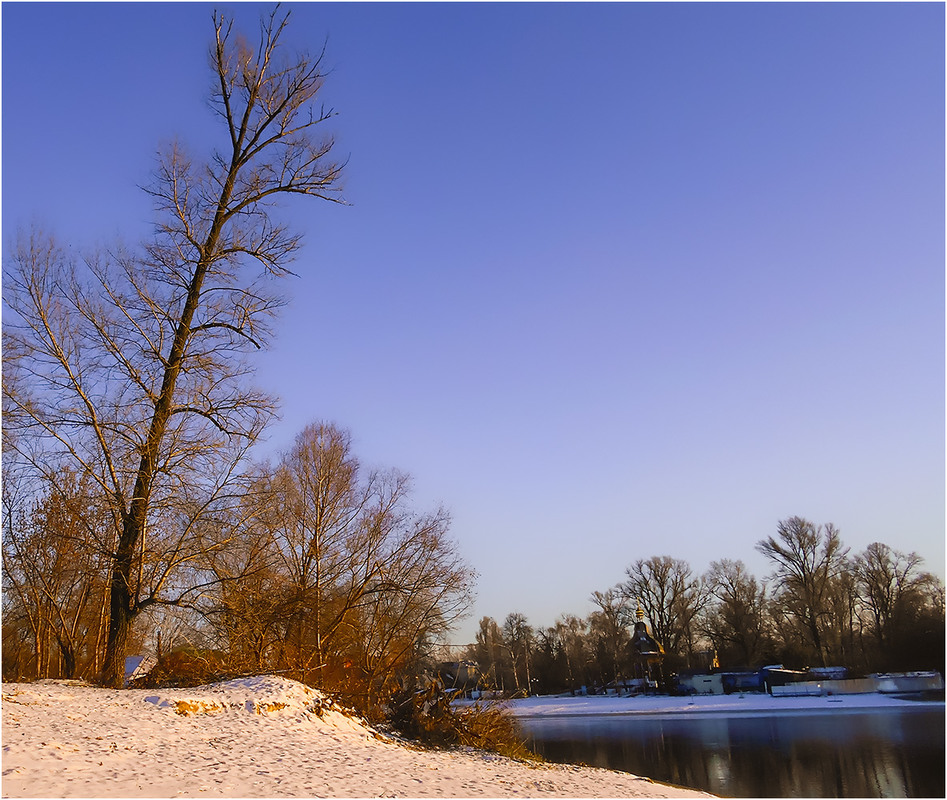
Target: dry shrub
x,y
267,708
189,708
185,667
428,717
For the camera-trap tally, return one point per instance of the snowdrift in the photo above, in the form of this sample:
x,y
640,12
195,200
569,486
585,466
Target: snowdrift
x,y
255,737
265,694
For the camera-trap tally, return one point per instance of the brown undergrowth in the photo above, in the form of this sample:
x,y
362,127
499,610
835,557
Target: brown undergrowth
x,y
430,718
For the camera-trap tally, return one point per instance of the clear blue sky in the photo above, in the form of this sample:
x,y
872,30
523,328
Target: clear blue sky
x,y
616,280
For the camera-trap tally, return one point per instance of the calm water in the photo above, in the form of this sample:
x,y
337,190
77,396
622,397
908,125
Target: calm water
x,y
845,754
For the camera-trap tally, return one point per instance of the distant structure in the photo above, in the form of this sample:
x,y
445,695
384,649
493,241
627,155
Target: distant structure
x,y
462,676
137,667
647,652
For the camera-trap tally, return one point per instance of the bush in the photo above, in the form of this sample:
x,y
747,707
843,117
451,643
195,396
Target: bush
x,y
428,717
184,668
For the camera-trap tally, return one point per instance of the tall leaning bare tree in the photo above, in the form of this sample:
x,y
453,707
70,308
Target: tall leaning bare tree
x,y
132,366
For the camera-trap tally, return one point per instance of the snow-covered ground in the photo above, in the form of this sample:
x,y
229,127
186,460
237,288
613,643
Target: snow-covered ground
x,y
730,705
257,737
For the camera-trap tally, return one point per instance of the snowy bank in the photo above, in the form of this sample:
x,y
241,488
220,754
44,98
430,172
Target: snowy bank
x,y
725,704
257,737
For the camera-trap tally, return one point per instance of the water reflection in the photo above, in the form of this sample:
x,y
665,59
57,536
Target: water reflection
x,y
845,754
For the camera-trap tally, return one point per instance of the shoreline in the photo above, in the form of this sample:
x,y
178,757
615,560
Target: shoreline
x,y
736,705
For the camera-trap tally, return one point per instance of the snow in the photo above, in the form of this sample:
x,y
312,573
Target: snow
x,y
256,737
730,705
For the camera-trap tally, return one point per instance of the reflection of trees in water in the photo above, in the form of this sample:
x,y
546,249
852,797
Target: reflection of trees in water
x,y
844,755
867,765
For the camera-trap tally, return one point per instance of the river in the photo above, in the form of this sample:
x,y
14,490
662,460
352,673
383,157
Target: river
x,y
806,753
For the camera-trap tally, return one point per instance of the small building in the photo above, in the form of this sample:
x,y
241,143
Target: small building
x,y
908,682
461,676
828,673
776,675
701,683
734,682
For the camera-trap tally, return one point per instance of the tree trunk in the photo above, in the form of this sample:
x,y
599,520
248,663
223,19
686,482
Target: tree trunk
x,y
120,617
67,659
97,654
817,641
121,608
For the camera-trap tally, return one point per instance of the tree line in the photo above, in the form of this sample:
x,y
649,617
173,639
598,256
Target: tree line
x,y
312,566
873,611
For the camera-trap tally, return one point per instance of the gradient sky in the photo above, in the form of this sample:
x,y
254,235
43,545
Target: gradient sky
x,y
616,280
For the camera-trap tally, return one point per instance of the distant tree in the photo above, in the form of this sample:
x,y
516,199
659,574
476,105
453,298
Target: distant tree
x,y
130,367
561,656
735,618
492,654
807,560
671,597
608,634
519,637
573,634
893,590
549,671
843,621
918,640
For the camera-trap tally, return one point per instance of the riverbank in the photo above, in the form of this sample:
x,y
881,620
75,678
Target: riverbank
x,y
257,737
725,704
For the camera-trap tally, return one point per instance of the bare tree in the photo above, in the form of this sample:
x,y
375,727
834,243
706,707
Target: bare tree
x,y
807,560
492,654
330,522
331,558
735,619
519,636
891,584
844,622
132,367
608,632
420,588
249,606
671,597
572,634
52,563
